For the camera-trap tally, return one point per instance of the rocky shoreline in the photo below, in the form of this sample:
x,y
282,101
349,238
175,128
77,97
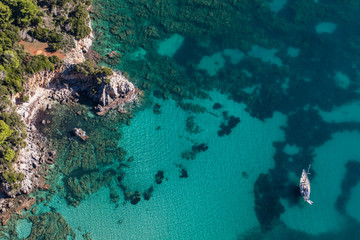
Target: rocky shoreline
x,y
45,88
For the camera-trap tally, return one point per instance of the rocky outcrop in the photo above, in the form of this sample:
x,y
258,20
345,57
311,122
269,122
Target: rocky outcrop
x,y
80,133
76,55
115,94
42,79
26,204
119,87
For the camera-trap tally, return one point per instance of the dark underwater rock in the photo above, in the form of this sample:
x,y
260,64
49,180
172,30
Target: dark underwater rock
x,y
202,147
267,202
351,179
307,129
183,173
217,106
156,108
160,94
191,107
75,191
135,198
148,193
195,149
50,225
227,125
188,155
191,126
159,176
114,196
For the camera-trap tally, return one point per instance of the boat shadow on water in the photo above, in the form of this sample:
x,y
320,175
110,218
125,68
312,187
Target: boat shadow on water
x,y
293,196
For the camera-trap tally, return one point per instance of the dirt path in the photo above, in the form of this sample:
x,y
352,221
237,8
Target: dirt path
x,y
37,48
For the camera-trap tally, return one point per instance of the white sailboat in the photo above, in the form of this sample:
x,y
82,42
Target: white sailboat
x,y
305,186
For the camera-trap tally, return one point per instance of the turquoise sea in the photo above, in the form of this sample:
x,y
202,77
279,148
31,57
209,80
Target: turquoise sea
x,y
238,98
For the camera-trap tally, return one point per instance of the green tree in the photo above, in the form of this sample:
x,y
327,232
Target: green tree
x,y
10,59
5,131
38,63
5,14
54,60
24,10
10,176
79,29
9,155
107,71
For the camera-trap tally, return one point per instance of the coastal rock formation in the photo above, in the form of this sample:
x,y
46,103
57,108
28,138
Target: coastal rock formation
x,y
115,94
26,204
80,133
76,55
119,87
64,87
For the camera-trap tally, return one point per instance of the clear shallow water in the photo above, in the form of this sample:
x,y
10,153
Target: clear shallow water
x,y
215,202
326,187
23,228
293,84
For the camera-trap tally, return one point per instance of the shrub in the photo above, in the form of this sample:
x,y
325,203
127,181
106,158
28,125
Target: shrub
x,y
5,131
53,47
24,11
54,37
9,155
10,59
107,80
24,97
61,3
79,29
79,13
36,21
5,14
86,68
38,63
54,60
10,176
13,80
39,33
107,71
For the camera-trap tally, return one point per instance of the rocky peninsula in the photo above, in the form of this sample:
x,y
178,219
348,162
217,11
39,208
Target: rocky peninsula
x,y
64,85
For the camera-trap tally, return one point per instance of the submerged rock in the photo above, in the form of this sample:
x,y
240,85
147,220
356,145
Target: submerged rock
x,y
159,177
217,106
268,207
26,204
202,147
148,193
228,125
156,108
50,226
184,173
135,198
80,133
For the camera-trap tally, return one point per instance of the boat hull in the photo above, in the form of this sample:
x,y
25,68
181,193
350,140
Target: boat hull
x,y
305,187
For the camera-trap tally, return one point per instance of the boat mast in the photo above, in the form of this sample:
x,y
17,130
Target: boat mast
x,y
308,171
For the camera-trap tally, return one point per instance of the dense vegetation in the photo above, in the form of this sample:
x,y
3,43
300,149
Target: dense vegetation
x,y
97,73
62,16
50,21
